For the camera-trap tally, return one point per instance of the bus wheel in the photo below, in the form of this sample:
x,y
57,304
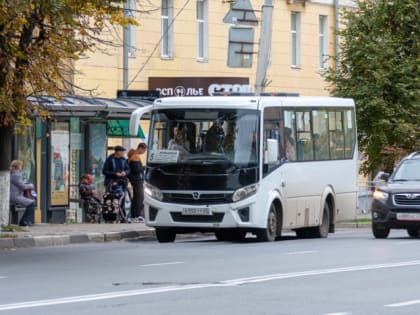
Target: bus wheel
x,y
322,230
270,233
165,235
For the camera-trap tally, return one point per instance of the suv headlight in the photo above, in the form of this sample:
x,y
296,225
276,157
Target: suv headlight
x,y
380,195
153,192
245,192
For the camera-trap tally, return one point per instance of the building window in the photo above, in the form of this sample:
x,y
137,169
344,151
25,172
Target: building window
x,y
202,34
167,29
295,39
323,41
131,29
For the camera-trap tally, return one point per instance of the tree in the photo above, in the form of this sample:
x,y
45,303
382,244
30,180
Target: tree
x,y
379,67
39,41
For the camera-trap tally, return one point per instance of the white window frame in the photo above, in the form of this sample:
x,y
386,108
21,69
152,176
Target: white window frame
x,y
323,42
202,30
295,35
166,44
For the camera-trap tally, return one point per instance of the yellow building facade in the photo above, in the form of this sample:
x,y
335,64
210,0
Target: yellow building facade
x,y
182,39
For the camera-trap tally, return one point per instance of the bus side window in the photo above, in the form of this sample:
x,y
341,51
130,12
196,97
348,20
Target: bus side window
x,y
272,138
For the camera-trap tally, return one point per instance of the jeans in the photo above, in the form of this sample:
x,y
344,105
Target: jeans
x,y
28,215
138,198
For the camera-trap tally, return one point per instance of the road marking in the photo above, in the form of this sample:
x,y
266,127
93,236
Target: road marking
x,y
302,252
1,277
407,303
339,313
163,264
225,283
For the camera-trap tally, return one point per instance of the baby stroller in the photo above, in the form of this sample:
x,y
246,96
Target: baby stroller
x,y
112,207
90,203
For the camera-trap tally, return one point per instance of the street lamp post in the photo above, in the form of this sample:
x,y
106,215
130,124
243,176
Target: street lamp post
x,y
264,47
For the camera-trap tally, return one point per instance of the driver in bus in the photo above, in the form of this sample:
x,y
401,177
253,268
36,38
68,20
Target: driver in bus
x,y
179,142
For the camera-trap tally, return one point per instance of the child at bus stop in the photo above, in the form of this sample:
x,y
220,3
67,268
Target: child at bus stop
x,y
87,193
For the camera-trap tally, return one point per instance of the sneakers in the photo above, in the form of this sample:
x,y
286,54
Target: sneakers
x,y
138,220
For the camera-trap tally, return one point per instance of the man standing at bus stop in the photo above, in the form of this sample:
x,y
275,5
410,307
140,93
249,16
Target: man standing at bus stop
x,y
116,169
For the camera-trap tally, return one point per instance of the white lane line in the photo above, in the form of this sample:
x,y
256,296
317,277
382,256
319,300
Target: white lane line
x,y
1,277
163,264
339,313
226,283
406,303
302,252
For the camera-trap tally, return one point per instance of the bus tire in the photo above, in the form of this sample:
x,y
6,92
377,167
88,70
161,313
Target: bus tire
x,y
271,232
323,229
165,235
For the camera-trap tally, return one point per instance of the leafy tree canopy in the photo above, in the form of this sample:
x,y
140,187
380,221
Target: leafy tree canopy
x,y
379,67
40,40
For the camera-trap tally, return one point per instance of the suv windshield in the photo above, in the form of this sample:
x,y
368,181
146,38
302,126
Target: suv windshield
x,y
408,170
204,136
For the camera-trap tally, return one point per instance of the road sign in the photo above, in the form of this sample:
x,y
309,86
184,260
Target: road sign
x,y
241,13
240,50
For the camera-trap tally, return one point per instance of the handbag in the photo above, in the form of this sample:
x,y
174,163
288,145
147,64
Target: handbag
x,y
28,193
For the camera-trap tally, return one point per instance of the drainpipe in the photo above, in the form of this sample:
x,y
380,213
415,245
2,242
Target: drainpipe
x,y
337,44
125,48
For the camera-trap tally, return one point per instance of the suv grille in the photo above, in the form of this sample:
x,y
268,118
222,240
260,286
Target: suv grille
x,y
407,199
201,199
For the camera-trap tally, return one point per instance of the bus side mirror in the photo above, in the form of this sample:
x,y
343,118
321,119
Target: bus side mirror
x,y
272,151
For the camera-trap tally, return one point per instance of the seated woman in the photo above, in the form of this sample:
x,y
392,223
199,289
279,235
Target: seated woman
x,y
17,188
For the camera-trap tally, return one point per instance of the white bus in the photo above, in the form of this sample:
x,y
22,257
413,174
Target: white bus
x,y
234,165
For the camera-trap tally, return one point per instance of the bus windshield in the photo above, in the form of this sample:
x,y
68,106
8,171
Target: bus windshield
x,y
204,136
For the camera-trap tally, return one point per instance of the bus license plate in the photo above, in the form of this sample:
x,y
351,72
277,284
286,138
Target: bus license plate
x,y
196,211
408,216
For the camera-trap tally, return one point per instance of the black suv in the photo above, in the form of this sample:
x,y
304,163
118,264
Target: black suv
x,y
396,202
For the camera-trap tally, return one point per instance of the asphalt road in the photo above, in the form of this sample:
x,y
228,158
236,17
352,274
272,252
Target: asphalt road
x,y
348,273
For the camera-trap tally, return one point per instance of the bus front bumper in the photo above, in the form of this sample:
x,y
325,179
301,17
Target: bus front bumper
x,y
201,218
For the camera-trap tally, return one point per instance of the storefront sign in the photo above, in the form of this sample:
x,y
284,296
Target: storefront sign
x,y
198,86
120,128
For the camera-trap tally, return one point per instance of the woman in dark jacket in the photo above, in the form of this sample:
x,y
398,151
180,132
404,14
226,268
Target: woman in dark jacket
x,y
17,188
136,178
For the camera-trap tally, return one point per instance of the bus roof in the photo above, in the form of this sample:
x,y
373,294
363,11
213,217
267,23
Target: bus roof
x,y
251,102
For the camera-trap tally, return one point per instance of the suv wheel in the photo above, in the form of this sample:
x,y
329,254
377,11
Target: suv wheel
x,y
380,231
413,232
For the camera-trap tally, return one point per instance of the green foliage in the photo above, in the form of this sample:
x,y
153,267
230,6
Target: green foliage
x,y
380,68
39,41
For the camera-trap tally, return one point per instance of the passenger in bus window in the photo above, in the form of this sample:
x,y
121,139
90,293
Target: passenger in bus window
x,y
290,144
215,137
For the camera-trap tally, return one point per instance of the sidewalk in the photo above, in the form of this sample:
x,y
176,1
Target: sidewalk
x,y
64,234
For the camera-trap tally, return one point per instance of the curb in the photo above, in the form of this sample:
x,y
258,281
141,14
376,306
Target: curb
x,y
53,240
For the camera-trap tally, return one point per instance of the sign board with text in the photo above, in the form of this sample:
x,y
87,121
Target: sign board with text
x,y
198,86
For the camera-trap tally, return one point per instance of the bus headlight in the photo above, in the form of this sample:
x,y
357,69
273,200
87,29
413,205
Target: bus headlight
x,y
153,192
380,195
245,192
